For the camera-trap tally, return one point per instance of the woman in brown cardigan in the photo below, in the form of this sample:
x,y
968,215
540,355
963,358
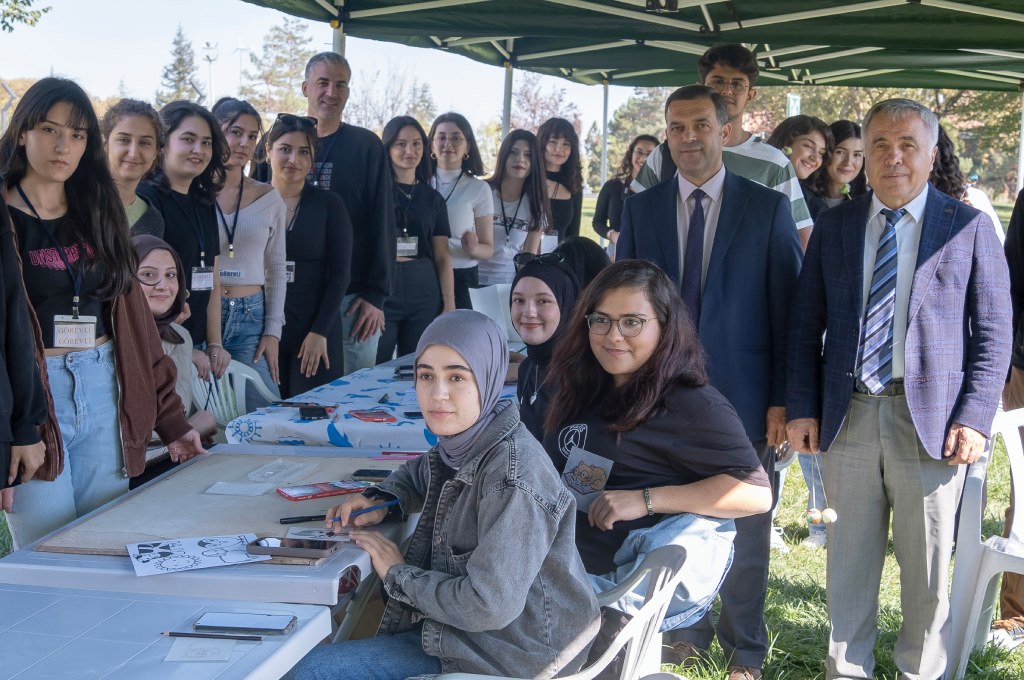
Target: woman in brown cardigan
x,y
107,380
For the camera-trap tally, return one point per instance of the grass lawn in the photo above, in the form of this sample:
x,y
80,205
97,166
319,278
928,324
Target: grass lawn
x,y
796,615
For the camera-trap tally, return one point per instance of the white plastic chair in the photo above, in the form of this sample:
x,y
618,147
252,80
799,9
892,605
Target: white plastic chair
x,y
225,397
664,566
980,563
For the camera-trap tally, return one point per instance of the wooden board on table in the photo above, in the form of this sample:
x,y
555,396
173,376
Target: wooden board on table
x,y
178,507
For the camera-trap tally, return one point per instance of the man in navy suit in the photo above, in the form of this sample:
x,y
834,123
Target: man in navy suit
x,y
732,246
899,347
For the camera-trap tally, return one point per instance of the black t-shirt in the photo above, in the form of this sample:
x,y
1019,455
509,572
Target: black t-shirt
x,y
698,436
608,211
190,227
352,163
50,287
421,212
566,213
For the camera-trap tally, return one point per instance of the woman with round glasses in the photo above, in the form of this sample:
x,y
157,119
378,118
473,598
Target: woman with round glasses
x,y
456,169
521,211
318,252
652,452
561,146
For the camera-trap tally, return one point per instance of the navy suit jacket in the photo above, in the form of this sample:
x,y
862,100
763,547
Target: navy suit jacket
x,y
749,283
958,327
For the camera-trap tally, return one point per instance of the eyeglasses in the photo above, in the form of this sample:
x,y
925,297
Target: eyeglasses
x,y
148,277
629,326
521,259
301,122
444,140
721,85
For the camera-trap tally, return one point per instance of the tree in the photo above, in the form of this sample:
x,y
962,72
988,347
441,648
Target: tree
x,y
531,106
278,72
642,114
19,12
179,77
400,94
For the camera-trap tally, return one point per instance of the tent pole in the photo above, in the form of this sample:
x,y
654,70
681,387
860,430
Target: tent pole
x,y
339,37
604,135
506,108
1020,148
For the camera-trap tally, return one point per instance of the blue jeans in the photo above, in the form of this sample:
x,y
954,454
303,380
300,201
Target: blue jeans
x,y
811,465
357,354
708,543
242,321
386,657
85,398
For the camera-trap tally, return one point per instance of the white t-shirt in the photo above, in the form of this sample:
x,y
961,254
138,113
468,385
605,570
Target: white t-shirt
x,y
979,199
510,232
468,198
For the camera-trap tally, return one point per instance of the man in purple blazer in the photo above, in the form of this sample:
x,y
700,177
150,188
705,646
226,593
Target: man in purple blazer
x,y
898,348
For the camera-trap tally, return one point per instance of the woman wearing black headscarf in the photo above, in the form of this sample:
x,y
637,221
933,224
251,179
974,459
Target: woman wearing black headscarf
x,y
542,298
491,581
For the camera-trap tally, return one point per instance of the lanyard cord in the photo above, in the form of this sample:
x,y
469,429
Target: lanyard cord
x,y
195,223
76,278
234,223
325,154
409,197
508,226
454,187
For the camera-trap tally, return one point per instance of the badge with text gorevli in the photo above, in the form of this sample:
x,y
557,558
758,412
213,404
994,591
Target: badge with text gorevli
x,y
71,331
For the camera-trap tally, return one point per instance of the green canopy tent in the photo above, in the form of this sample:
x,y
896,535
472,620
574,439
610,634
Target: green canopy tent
x,y
971,45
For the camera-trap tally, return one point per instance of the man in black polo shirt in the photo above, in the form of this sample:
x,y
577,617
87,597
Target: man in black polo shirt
x,y
351,162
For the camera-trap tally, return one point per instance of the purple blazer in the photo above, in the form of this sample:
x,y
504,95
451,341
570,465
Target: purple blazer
x,y
958,330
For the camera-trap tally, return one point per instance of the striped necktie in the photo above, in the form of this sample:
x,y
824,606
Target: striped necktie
x,y
876,344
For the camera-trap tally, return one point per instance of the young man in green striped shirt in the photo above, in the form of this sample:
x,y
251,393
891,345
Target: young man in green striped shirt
x,y
732,70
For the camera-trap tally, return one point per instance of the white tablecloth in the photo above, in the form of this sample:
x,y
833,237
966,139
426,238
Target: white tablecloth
x,y
361,390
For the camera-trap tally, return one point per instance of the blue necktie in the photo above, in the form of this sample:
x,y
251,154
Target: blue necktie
x,y
876,345
693,258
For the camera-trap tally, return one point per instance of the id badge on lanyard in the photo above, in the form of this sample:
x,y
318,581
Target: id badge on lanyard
x,y
78,332
202,278
408,246
289,271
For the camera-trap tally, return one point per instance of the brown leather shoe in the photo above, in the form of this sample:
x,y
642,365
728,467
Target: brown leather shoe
x,y
685,654
744,673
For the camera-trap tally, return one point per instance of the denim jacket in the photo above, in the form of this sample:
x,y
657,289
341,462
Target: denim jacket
x,y
492,568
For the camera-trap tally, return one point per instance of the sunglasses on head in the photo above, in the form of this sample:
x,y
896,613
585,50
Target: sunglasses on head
x,y
521,259
301,122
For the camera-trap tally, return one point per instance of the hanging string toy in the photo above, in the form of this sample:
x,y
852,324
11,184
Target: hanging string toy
x,y
814,515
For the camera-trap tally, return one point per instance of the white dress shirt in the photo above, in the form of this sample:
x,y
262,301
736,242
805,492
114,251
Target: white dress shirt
x,y
908,237
712,202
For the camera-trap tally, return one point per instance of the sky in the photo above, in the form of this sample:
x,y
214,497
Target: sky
x,y
104,43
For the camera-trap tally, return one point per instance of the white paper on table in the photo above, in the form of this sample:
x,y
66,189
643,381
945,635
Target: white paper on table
x,y
186,554
239,489
318,534
200,649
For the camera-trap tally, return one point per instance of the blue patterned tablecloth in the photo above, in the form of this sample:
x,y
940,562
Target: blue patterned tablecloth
x,y
362,389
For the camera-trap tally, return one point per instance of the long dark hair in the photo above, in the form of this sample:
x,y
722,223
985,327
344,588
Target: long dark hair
x,y
946,174
210,181
571,172
535,187
97,215
474,163
576,378
820,180
625,169
424,171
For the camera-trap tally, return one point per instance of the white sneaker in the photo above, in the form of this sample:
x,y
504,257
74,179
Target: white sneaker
x,y
815,540
777,543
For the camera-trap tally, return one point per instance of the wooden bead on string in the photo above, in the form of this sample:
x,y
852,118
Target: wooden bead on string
x,y
814,516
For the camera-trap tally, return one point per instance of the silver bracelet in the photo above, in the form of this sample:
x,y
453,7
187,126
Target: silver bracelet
x,y
647,500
